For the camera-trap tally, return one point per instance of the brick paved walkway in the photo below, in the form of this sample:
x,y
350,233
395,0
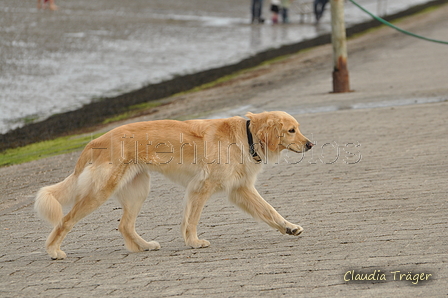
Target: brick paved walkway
x,y
372,195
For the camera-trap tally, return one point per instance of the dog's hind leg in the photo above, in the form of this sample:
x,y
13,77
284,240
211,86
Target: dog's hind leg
x,y
94,187
81,209
131,197
249,200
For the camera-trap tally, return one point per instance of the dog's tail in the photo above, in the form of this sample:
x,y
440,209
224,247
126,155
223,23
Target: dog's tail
x,y
51,199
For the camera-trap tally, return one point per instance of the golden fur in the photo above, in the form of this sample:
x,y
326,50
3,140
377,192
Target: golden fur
x,y
205,156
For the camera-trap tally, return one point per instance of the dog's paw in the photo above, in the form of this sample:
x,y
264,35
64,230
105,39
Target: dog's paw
x,y
142,246
294,230
152,245
56,254
199,243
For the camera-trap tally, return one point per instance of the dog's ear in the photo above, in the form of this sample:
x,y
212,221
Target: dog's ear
x,y
267,128
269,133
250,115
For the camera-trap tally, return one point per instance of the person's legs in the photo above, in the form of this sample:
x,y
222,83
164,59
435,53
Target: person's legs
x,y
285,15
52,6
257,9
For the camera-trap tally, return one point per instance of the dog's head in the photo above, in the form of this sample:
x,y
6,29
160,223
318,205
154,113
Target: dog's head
x,y
278,131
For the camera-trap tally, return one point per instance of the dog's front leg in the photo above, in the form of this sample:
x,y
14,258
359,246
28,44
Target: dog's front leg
x,y
196,197
248,199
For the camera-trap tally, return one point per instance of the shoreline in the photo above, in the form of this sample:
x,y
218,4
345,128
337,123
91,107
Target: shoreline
x,y
95,113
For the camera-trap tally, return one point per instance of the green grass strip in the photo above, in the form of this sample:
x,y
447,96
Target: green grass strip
x,y
45,149
133,111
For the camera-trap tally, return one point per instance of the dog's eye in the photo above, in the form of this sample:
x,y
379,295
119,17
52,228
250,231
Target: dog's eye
x,y
292,130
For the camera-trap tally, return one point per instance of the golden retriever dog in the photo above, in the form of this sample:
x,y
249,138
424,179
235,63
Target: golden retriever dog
x,y
205,156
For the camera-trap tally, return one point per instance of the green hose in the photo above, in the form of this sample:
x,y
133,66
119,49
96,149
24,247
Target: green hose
x,y
395,27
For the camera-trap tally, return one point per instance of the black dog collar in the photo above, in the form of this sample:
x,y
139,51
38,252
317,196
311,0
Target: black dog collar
x,y
250,140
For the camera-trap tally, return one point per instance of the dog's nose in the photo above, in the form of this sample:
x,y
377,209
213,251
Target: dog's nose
x,y
309,145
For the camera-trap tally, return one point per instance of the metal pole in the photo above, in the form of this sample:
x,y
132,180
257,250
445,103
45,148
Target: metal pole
x,y
338,38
